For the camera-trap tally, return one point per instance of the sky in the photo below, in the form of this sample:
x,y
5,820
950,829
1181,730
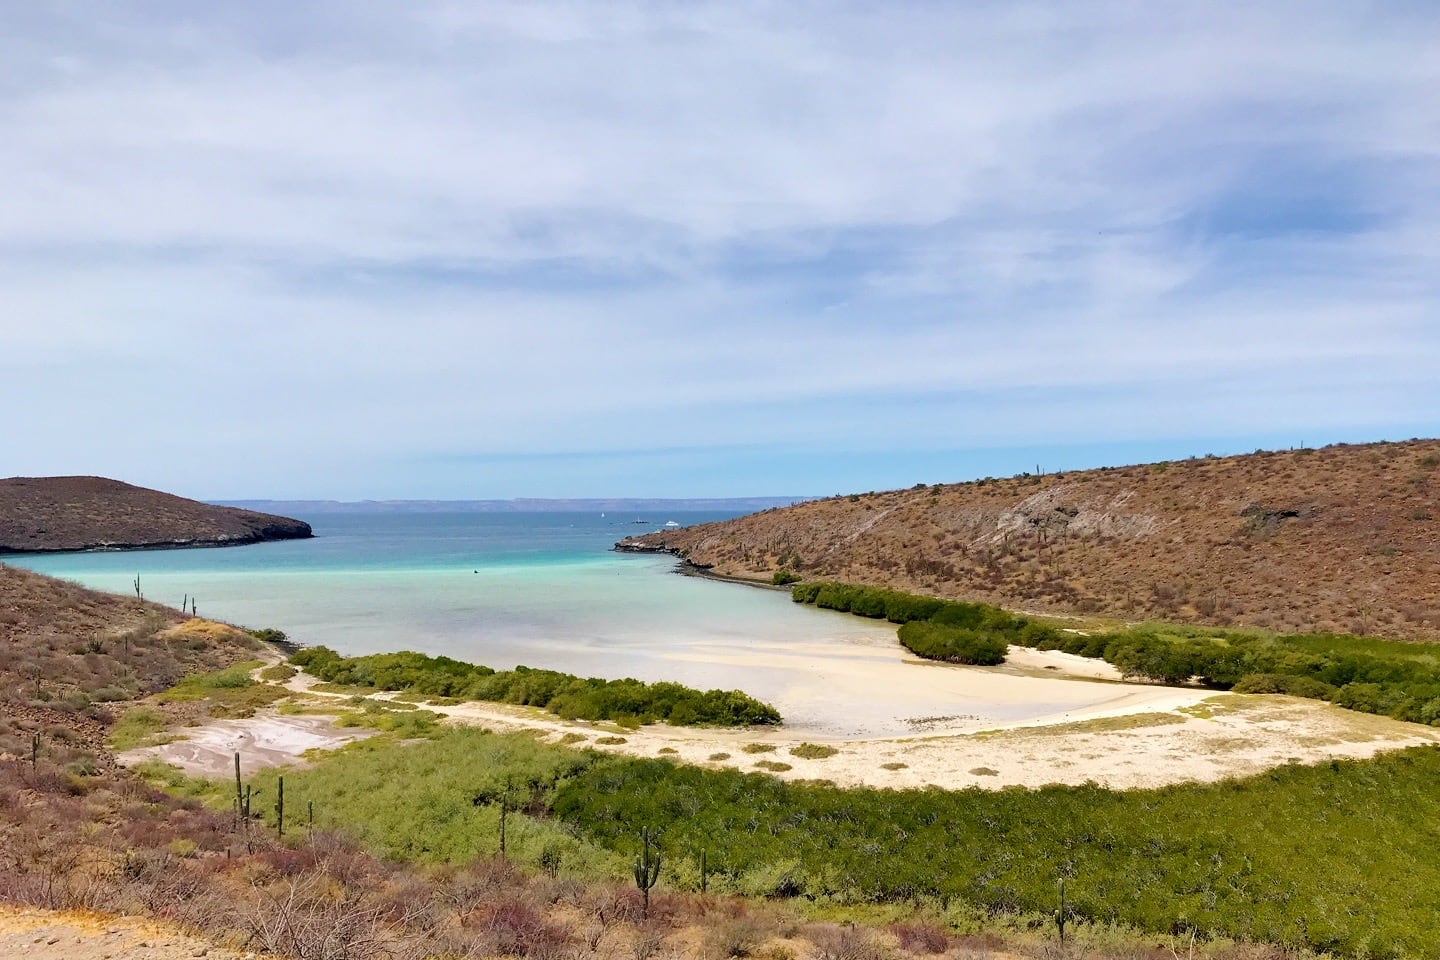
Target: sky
x,y
469,250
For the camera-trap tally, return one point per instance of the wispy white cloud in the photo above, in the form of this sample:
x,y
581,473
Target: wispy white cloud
x,y
341,248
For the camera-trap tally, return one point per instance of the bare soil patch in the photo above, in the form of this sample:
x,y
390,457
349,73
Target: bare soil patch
x,y
37,934
265,740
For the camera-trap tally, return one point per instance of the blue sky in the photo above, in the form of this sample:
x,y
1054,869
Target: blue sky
x,y
370,249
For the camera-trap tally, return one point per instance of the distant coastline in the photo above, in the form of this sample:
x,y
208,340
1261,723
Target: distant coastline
x,y
617,505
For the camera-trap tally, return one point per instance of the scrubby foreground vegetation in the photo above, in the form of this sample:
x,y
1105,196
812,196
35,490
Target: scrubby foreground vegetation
x,y
1337,857
627,702
69,657
1344,539
118,846
1395,679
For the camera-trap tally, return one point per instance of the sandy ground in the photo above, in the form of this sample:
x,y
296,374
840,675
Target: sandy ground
x,y
50,935
1124,736
265,740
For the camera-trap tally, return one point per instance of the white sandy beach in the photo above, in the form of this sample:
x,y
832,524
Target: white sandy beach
x,y
1100,730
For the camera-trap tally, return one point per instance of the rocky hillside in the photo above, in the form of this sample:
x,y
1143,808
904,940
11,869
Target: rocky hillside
x,y
70,656
44,514
1344,538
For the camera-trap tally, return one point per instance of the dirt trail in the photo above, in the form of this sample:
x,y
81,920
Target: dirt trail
x,y
36,934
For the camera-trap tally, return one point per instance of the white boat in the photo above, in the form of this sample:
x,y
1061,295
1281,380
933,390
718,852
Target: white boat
x,y
671,523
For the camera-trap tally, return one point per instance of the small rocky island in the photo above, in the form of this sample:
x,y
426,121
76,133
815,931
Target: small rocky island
x,y
54,514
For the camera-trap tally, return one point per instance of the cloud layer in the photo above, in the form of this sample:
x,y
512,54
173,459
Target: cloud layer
x,y
435,249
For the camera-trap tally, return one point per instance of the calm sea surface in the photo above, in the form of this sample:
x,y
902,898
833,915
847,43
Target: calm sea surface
x,y
542,589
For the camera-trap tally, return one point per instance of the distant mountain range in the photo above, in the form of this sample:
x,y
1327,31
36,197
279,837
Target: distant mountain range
x,y
524,505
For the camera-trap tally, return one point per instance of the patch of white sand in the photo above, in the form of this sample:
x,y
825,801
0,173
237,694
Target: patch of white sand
x,y
265,740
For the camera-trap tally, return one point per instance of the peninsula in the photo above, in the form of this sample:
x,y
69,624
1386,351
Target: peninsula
x,y
53,514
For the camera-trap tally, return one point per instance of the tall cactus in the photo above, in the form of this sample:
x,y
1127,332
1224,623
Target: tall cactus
x,y
647,865
1060,913
280,805
239,793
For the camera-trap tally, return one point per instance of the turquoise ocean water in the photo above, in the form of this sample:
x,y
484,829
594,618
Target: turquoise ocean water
x,y
542,589
545,590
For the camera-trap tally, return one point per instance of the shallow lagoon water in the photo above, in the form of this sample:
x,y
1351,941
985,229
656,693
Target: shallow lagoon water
x,y
544,589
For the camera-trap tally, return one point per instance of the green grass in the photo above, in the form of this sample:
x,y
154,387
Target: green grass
x,y
229,693
137,727
197,686
406,724
414,801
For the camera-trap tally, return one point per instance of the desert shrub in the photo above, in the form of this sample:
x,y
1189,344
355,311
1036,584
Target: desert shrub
x,y
278,673
812,751
1284,683
920,937
782,577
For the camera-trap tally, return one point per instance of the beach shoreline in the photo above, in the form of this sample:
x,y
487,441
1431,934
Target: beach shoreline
x,y
1143,736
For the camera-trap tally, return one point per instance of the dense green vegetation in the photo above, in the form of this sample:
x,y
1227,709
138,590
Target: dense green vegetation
x,y
1395,679
627,702
1337,857
938,641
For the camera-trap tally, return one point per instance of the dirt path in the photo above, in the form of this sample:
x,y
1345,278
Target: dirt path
x,y
35,934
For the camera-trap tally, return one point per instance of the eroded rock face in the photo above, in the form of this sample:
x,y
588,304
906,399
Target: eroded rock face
x,y
49,514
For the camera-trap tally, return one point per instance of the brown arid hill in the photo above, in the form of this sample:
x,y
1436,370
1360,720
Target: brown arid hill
x,y
70,657
46,514
1340,539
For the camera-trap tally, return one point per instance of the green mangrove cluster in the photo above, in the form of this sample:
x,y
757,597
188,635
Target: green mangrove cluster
x,y
974,633
1391,678
627,702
